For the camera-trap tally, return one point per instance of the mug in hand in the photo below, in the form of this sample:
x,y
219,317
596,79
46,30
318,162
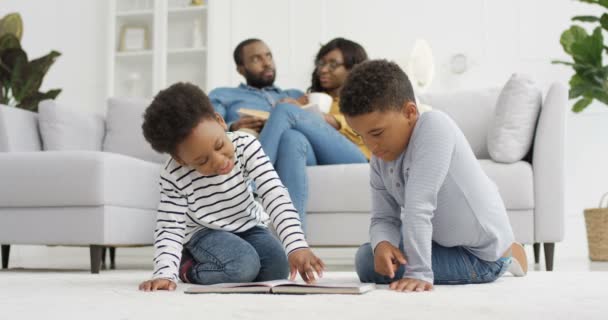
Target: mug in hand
x,y
321,99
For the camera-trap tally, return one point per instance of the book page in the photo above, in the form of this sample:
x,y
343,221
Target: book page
x,y
324,288
242,287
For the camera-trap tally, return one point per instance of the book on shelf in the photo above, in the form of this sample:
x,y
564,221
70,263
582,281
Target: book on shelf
x,y
284,287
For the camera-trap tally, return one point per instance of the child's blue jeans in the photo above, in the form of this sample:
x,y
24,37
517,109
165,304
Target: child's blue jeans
x,y
453,265
216,256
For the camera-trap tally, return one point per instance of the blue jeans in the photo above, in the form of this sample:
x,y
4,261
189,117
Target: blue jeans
x,y
453,265
294,138
222,256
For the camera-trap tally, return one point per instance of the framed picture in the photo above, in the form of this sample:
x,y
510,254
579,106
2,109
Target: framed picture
x,y
134,38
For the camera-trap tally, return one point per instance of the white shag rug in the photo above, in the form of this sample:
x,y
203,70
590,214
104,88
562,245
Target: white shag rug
x,y
27,294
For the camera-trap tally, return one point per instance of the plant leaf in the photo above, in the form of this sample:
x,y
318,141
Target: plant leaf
x,y
562,62
581,104
578,86
588,50
603,3
9,41
31,102
573,35
12,23
604,21
586,18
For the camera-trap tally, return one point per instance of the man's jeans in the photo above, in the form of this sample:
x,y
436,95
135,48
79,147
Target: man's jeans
x,y
453,265
221,256
294,138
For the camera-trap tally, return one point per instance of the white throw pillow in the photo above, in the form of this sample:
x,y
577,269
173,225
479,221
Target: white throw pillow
x,y
123,130
63,128
512,130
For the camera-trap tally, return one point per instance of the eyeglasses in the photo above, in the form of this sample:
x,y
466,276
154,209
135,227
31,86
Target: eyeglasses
x,y
332,65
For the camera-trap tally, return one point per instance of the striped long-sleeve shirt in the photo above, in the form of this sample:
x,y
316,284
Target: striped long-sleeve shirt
x,y
190,201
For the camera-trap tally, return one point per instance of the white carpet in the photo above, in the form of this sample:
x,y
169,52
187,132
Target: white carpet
x,y
26,294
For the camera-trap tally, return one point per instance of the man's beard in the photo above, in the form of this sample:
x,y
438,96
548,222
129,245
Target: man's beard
x,y
258,81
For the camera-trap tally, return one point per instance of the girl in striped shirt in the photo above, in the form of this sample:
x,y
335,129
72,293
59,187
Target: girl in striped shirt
x,y
210,229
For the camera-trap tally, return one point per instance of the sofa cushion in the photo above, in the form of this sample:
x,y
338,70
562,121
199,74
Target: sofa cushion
x,y
512,129
515,182
471,110
63,128
347,188
123,130
338,188
77,178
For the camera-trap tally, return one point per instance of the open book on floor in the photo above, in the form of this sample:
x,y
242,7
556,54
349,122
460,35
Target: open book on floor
x,y
245,112
284,287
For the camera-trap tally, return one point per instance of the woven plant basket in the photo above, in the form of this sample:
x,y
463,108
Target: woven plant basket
x,y
597,231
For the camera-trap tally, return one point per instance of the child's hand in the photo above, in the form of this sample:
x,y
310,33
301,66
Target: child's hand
x,y
157,284
409,285
306,263
387,259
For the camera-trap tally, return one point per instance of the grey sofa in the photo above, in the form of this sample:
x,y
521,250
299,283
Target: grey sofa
x,y
96,183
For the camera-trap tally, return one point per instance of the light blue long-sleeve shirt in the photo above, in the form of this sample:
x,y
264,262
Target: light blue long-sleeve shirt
x,y
228,101
437,191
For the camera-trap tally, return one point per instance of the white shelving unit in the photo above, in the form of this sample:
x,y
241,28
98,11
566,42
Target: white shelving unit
x,y
175,50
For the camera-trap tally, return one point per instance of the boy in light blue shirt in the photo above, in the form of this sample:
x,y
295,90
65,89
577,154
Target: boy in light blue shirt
x,y
436,216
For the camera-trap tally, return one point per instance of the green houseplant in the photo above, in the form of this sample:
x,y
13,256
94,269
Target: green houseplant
x,y
590,80
20,78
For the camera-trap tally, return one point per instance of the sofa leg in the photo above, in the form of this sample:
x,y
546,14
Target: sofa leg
x,y
112,258
6,249
549,254
103,258
95,257
536,252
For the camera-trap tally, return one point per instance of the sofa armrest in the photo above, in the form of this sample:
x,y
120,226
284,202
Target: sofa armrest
x,y
18,130
549,166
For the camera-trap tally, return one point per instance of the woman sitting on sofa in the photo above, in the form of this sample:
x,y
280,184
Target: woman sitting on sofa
x,y
294,138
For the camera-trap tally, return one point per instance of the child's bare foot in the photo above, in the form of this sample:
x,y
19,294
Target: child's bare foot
x,y
519,264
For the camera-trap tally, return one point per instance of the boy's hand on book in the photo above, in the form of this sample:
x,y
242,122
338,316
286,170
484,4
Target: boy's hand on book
x,y
410,284
252,123
306,263
387,259
157,284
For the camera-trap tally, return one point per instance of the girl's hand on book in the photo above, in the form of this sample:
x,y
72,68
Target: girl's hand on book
x,y
157,284
306,263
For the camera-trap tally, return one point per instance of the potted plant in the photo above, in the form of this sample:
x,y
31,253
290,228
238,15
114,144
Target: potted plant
x,y
20,78
589,83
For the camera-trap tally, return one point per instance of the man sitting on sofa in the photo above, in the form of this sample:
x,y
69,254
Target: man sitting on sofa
x,y
255,63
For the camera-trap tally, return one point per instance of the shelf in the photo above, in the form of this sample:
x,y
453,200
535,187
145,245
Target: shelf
x,y
177,51
143,53
135,13
191,9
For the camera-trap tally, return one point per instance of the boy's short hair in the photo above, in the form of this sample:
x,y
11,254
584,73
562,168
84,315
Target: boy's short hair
x,y
375,85
173,114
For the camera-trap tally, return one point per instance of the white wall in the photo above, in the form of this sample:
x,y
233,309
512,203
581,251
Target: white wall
x,y
76,29
498,38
